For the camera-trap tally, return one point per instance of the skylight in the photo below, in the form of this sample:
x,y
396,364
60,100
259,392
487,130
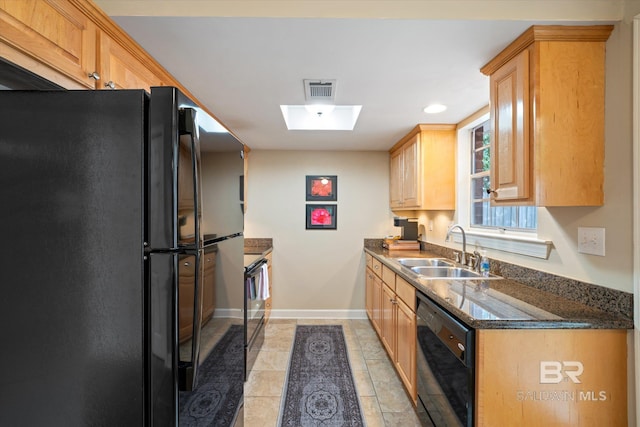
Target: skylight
x,y
320,117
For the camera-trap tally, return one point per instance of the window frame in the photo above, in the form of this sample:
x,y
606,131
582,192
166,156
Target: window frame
x,y
484,199
512,241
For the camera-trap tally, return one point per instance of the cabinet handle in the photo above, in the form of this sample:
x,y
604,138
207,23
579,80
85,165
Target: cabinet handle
x,y
187,264
94,75
110,84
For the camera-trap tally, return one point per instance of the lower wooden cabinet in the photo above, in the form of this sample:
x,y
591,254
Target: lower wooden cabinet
x,y
368,293
373,297
390,306
405,354
388,329
186,286
209,285
551,377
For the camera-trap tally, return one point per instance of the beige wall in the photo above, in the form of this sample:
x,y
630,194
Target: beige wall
x,y
321,270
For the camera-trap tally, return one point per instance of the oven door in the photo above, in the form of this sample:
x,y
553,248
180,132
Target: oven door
x,y
444,366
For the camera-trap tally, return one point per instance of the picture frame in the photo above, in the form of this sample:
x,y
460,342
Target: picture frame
x,y
321,216
322,188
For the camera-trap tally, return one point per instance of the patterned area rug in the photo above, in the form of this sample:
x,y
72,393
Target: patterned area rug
x,y
320,390
218,396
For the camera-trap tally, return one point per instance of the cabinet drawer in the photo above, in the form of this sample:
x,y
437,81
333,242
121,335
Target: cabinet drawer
x,y
187,266
369,260
376,266
406,292
389,277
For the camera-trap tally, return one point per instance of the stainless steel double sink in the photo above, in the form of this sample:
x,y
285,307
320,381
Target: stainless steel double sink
x,y
439,268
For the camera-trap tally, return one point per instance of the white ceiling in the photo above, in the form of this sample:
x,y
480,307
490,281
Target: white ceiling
x,y
244,58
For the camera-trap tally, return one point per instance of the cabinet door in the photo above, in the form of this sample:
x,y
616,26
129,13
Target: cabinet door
x,y
388,335
585,377
396,176
186,292
406,353
368,293
510,153
52,39
119,69
411,162
209,284
438,145
376,303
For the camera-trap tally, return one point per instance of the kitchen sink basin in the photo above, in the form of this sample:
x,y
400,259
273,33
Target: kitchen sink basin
x,y
450,272
425,262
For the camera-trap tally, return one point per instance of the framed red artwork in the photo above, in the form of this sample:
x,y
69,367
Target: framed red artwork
x,y
322,188
322,217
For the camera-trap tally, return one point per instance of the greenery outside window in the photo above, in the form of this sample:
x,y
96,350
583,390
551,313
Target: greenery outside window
x,y
483,215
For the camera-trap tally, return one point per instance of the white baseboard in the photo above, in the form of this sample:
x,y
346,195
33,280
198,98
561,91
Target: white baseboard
x,y
318,314
225,313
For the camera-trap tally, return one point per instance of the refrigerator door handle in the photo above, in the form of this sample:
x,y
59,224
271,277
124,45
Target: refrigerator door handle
x,y
189,126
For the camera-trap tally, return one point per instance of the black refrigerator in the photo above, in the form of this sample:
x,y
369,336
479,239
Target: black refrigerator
x,y
101,217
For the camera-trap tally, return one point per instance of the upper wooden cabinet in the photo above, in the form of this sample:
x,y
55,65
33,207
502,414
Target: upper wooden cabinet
x,y
547,115
53,39
422,169
72,43
119,69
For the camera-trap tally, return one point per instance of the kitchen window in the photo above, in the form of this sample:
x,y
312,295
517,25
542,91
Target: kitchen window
x,y
483,215
512,229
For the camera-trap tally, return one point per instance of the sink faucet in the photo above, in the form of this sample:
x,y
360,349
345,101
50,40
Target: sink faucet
x,y
477,260
464,241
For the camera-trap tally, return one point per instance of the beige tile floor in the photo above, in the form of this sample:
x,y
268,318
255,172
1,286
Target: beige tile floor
x,y
382,396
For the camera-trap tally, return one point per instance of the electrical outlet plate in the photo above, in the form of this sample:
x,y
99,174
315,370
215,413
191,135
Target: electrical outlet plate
x,y
591,240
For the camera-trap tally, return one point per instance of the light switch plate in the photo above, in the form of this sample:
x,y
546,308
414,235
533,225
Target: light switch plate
x,y
591,240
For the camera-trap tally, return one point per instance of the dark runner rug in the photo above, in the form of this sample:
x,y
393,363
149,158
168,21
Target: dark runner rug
x,y
218,395
320,390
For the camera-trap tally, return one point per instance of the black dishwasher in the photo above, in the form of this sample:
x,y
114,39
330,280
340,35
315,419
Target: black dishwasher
x,y
445,367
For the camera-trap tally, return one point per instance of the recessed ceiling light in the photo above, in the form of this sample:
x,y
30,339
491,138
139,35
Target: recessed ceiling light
x,y
434,108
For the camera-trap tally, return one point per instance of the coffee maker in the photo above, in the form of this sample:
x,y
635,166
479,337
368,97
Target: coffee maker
x,y
409,227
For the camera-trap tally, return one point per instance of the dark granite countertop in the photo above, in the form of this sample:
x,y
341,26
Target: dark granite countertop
x,y
502,303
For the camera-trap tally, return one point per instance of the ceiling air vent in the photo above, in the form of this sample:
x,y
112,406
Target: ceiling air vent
x,y
316,91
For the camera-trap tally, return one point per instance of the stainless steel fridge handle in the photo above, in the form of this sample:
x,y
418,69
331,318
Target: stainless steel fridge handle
x,y
191,127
